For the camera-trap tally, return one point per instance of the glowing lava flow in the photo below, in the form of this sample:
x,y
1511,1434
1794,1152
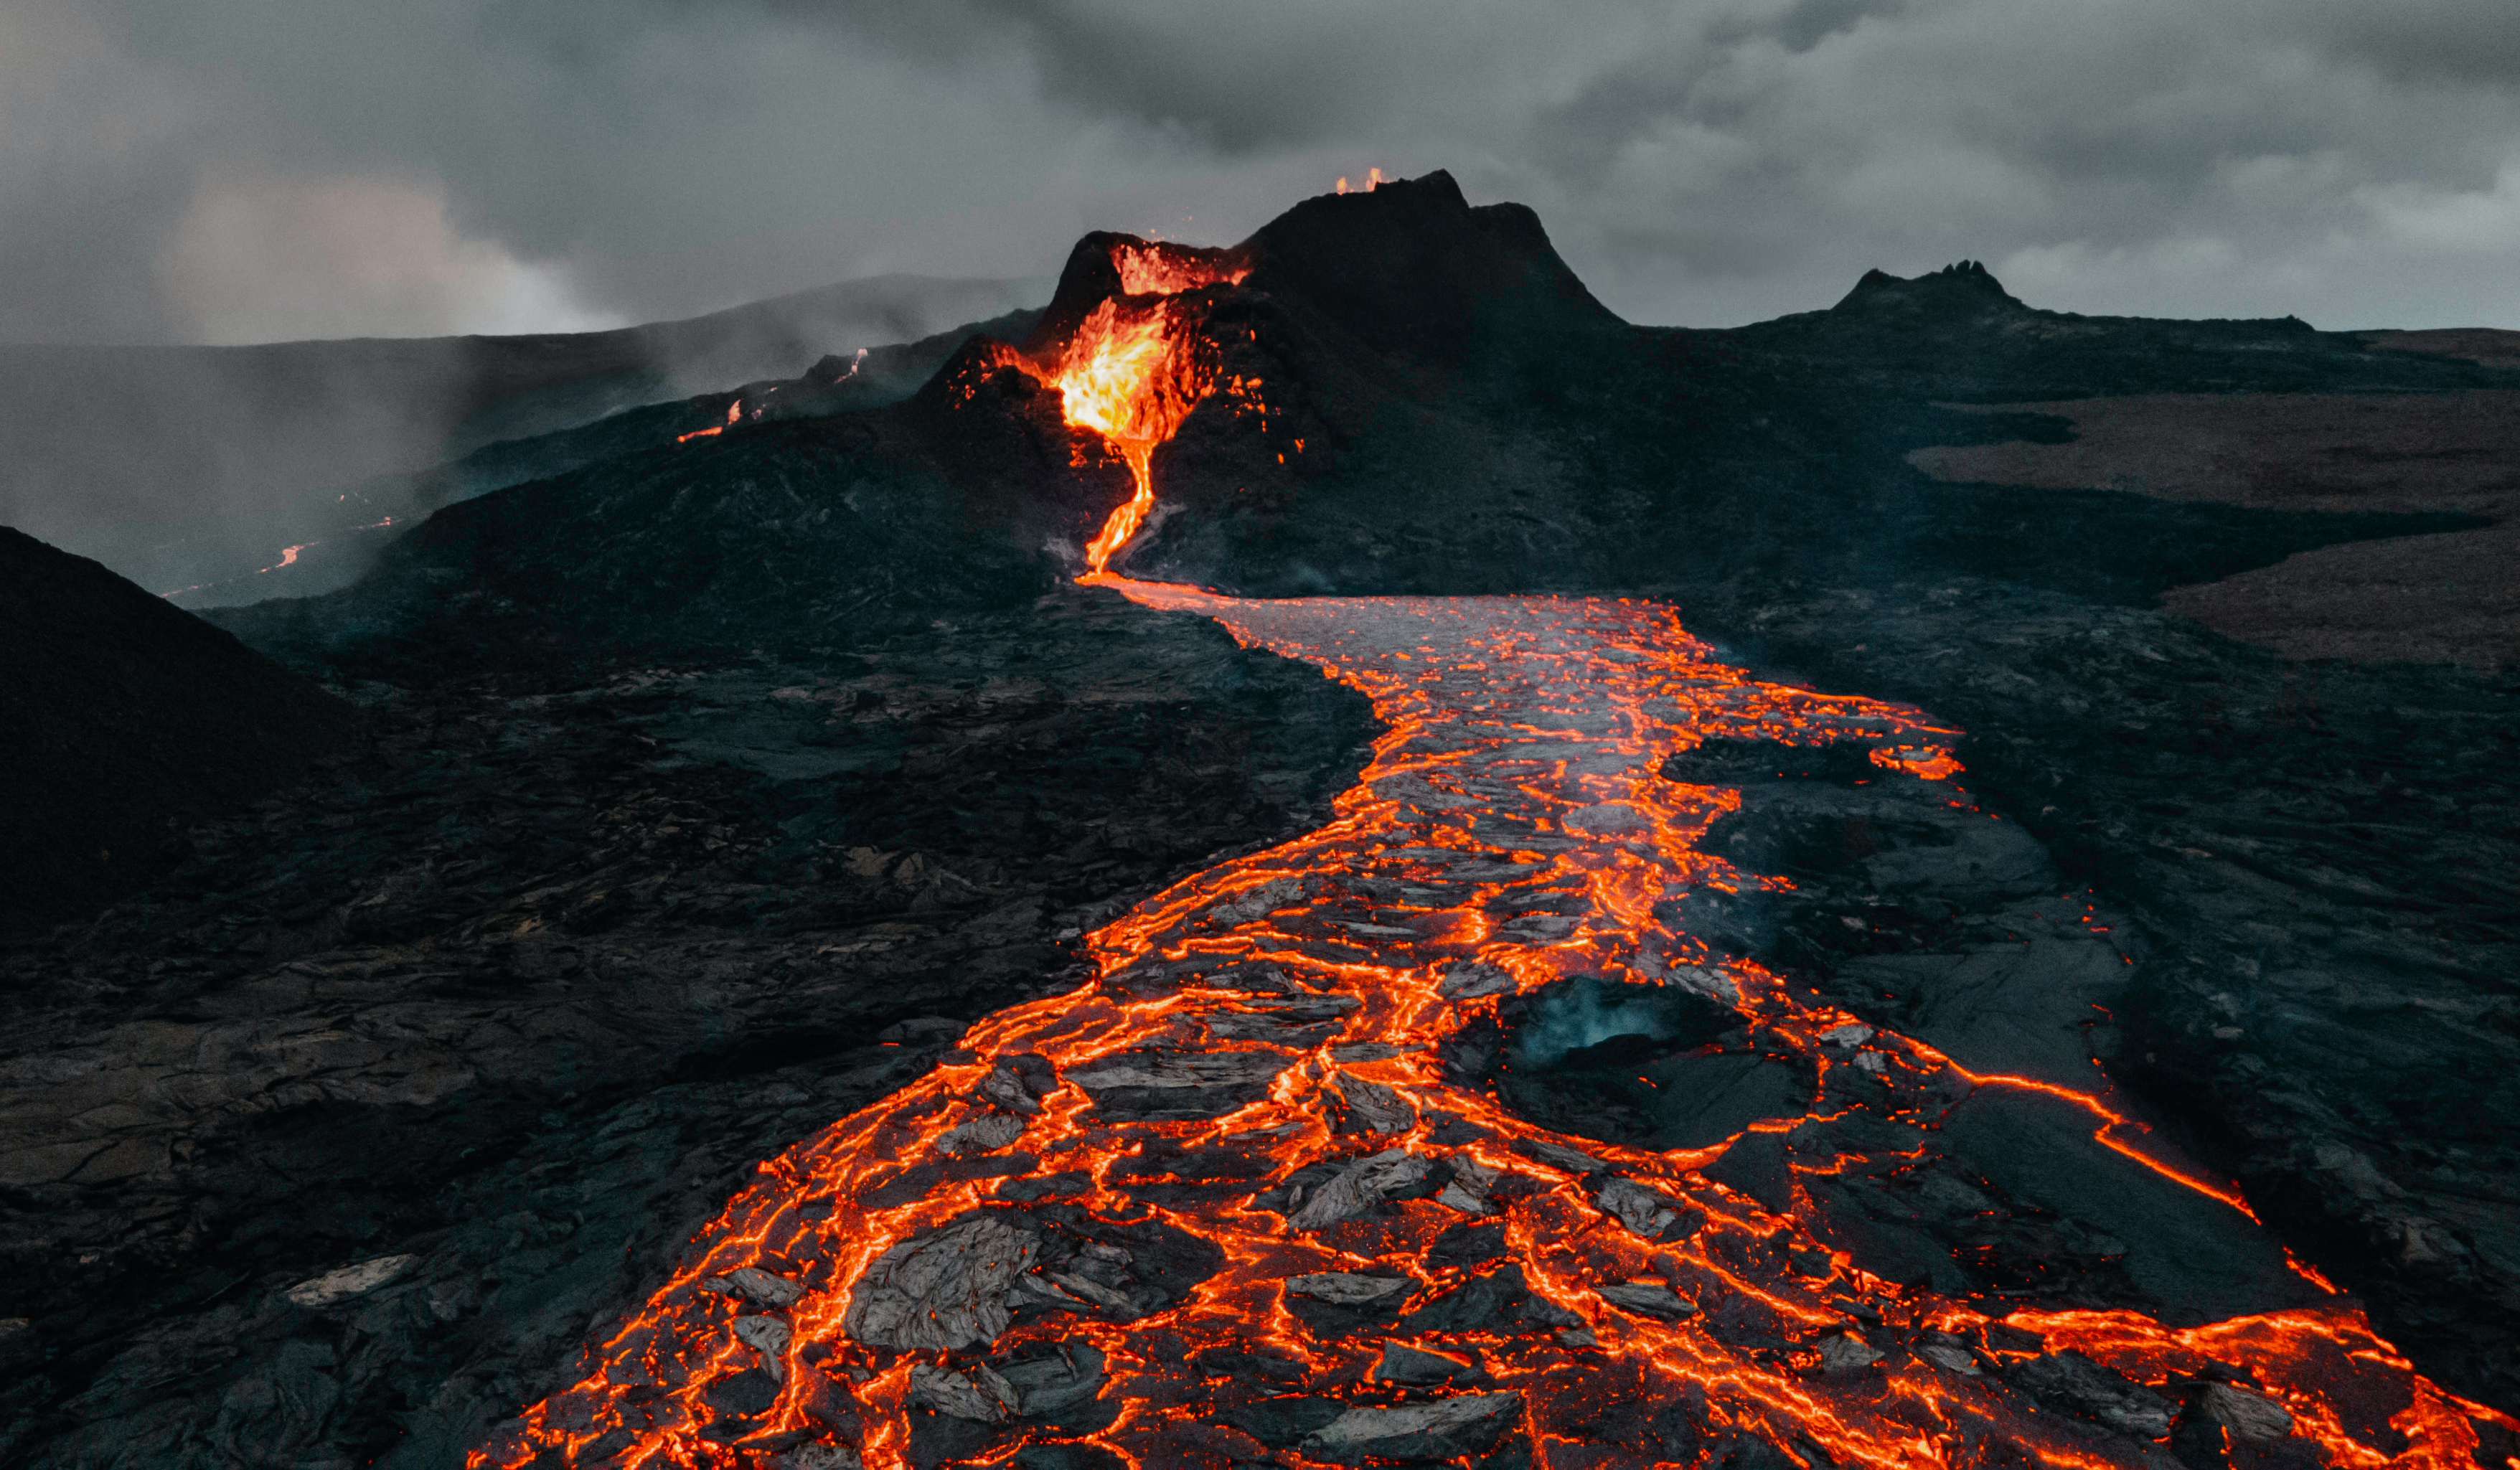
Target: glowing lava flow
x,y
1123,377
733,416
1161,270
1230,1202
1132,374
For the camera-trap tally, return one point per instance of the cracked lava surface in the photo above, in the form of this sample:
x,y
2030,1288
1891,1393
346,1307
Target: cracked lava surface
x,y
1239,1200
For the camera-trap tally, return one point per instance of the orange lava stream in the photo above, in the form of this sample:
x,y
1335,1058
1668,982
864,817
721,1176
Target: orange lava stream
x,y
1121,1161
733,416
1126,377
1132,374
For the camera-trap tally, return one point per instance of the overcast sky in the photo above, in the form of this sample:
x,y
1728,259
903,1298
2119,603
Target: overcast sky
x,y
260,170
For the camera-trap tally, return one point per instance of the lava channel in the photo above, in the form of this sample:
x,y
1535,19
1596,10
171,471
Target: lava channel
x,y
1230,1201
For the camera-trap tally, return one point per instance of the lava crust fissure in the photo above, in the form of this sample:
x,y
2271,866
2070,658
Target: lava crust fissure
x,y
1256,1169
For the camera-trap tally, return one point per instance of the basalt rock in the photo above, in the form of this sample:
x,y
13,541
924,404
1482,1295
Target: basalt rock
x,y
2075,1384
1501,1301
1445,1430
1172,1085
944,1290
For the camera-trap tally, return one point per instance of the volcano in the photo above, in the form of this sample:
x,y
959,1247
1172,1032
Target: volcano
x,y
1817,965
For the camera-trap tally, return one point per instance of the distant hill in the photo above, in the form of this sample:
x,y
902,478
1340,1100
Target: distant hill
x,y
96,436
122,719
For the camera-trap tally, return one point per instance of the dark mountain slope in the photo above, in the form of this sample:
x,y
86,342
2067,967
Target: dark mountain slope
x,y
122,720
1958,333
324,539
1489,428
790,533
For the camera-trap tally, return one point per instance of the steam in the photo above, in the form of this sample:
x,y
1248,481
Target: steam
x,y
263,259
179,467
1588,1010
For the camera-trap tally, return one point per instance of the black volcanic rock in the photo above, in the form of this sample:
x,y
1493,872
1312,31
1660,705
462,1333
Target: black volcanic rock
x,y
1412,268
1966,288
514,999
122,720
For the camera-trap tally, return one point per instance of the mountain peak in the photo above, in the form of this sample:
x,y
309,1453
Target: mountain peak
x,y
1413,266
1964,287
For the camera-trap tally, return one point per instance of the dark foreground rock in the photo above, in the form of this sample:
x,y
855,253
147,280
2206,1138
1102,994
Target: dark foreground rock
x,y
122,720
332,1147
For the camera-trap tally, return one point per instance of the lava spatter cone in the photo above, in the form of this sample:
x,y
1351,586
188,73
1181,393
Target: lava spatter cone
x,y
1338,292
1244,1196
1127,360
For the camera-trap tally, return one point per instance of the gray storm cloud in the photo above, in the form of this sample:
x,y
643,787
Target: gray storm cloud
x,y
172,171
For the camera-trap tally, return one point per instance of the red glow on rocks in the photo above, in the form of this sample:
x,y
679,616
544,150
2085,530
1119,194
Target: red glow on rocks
x,y
1160,270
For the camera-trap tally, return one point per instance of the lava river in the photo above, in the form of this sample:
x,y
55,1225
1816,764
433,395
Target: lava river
x,y
1239,1199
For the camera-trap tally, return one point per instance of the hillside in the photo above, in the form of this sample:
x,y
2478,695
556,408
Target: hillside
x,y
179,464
122,720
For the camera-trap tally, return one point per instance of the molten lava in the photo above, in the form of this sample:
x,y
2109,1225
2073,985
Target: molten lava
x,y
1125,377
733,416
1160,270
1234,1202
1132,373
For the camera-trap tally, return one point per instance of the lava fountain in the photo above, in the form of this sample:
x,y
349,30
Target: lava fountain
x,y
1240,1200
1132,370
